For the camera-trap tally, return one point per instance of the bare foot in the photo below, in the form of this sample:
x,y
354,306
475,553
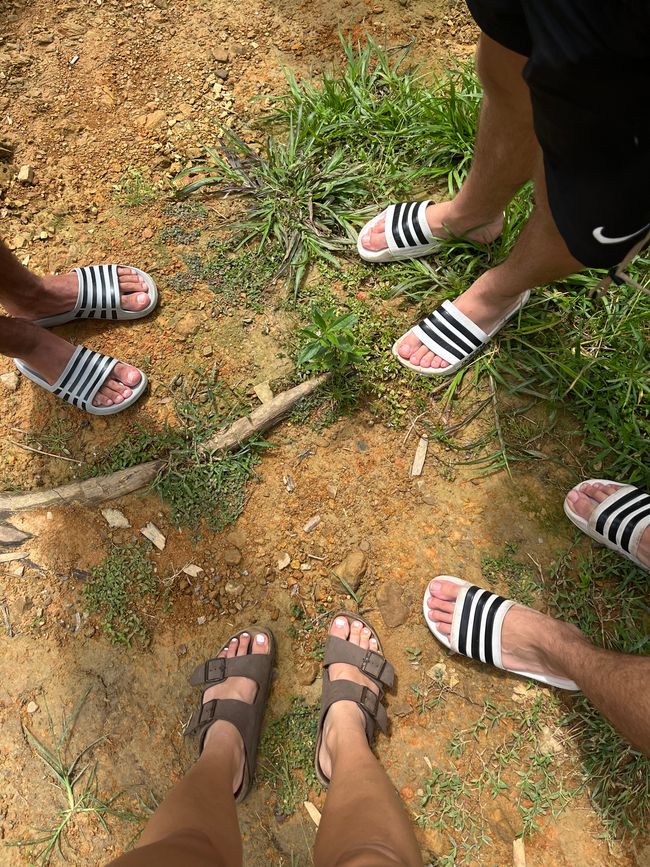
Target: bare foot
x,y
51,353
444,223
345,721
585,500
239,688
530,640
484,309
57,293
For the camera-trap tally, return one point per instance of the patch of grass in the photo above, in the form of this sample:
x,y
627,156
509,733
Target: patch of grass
x,y
53,438
135,188
123,589
365,133
286,759
75,776
521,580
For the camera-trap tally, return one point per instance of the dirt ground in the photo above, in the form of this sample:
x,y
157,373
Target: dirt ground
x,y
88,90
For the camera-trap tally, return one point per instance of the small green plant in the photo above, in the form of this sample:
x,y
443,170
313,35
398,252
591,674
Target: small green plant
x,y
119,589
329,342
287,755
75,776
136,189
523,585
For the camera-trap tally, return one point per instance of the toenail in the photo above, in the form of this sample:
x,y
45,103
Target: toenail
x,y
233,640
366,632
356,623
340,621
260,638
245,635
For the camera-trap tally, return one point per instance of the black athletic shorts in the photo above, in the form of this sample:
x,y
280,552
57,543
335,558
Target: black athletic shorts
x,y
588,71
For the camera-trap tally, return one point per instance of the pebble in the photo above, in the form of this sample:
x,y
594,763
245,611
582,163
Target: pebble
x,y
232,556
353,568
283,562
402,709
192,570
233,589
429,500
153,534
312,523
391,606
201,620
181,650
26,175
32,707
220,55
9,381
115,518
308,672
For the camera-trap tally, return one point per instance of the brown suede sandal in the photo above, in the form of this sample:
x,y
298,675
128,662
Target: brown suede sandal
x,y
247,718
374,665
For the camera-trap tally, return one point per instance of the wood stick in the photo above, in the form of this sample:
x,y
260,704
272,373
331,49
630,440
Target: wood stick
x,y
113,485
41,452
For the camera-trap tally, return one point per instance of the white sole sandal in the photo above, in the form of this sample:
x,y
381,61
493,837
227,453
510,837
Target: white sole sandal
x,y
619,521
453,337
99,296
407,233
82,378
476,627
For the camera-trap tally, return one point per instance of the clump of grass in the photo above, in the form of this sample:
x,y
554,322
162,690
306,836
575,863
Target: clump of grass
x,y
286,760
521,580
341,142
135,188
75,776
121,589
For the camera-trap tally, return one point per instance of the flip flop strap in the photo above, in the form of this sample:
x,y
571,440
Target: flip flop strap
x,y
450,334
83,376
372,664
477,623
406,226
622,518
99,292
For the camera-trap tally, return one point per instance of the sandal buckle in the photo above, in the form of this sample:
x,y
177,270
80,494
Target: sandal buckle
x,y
373,664
369,700
215,670
207,712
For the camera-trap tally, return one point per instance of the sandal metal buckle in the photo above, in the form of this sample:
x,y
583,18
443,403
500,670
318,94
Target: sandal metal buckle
x,y
369,700
215,670
207,711
373,664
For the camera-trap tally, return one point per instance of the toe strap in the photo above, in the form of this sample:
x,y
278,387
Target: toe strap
x,y
373,664
622,518
255,666
477,624
450,334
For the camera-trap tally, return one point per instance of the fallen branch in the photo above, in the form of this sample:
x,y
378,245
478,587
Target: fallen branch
x,y
113,485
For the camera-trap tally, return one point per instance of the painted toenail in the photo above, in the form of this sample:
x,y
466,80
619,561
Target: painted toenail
x,y
356,623
366,632
233,640
245,635
340,621
260,638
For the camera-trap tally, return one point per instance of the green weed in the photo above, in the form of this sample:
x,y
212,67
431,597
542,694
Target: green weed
x,y
135,188
287,755
123,590
75,776
329,342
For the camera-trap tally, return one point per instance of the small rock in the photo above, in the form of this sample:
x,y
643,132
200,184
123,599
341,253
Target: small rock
x,y
32,707
274,614
548,743
10,535
192,570
222,74
147,233
18,571
153,534
263,391
353,568
116,519
401,709
220,55
391,606
232,556
153,120
26,175
45,39
237,539
9,381
201,620
312,523
189,324
429,500
233,589
308,672
181,650
283,562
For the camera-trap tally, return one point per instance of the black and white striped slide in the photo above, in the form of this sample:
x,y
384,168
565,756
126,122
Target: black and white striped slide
x,y
99,296
407,233
81,379
476,628
453,336
619,521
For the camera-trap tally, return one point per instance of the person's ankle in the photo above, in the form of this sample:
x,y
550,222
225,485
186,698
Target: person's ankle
x,y
563,648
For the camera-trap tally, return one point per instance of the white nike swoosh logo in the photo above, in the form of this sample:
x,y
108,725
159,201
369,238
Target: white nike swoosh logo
x,y
603,239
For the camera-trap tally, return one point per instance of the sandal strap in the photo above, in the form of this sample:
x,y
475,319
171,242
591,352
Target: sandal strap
x,y
477,624
83,376
450,334
369,702
99,292
371,663
255,666
622,518
407,227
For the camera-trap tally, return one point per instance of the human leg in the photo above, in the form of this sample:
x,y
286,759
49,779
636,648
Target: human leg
x,y
615,683
364,823
199,814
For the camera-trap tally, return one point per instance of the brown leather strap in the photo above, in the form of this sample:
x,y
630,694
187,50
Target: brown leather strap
x,y
253,665
368,701
369,662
